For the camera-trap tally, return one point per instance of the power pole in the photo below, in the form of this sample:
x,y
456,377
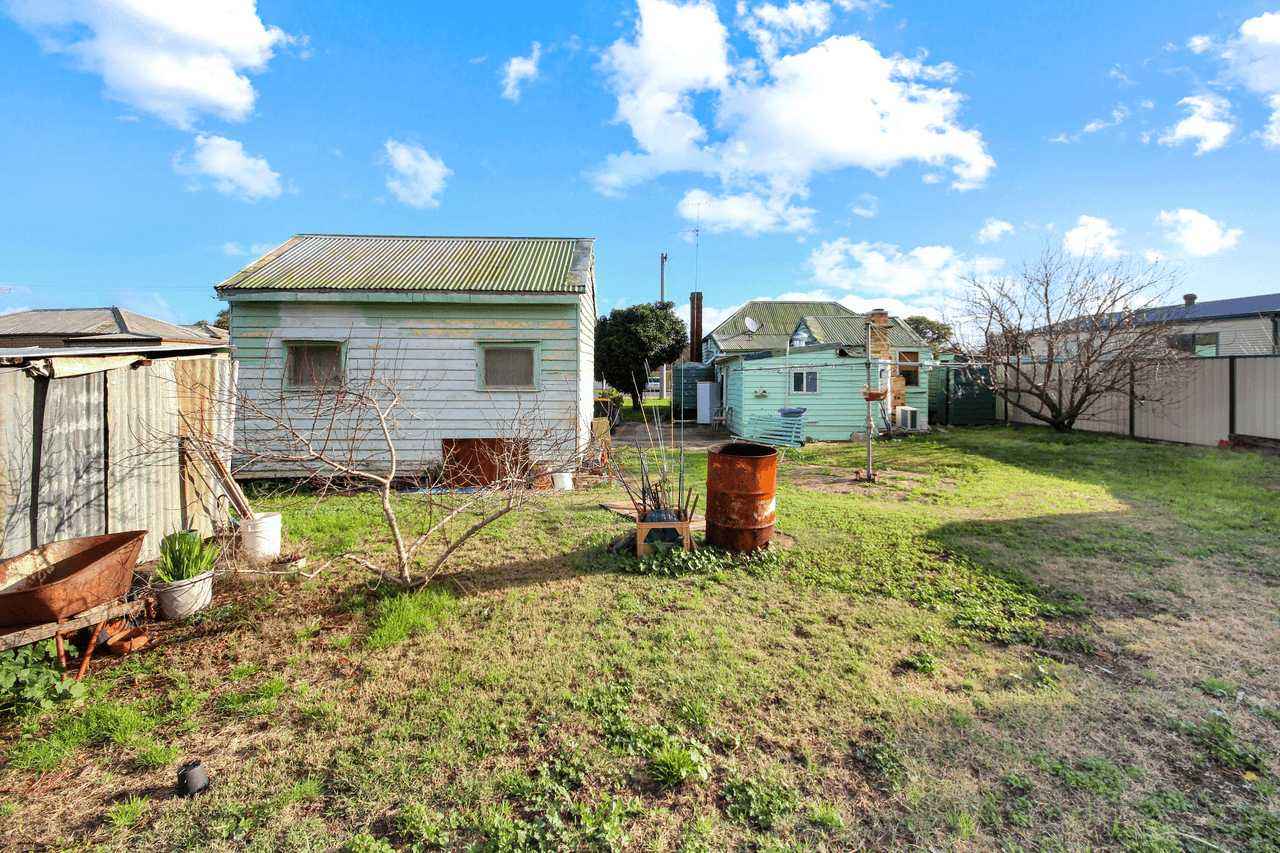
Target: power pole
x,y
663,296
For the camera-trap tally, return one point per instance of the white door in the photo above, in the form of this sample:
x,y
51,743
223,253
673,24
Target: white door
x,y
708,400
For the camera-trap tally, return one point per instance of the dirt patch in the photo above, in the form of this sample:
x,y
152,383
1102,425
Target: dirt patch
x,y
891,484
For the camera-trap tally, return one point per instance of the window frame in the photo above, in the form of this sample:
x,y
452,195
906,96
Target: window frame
x,y
313,342
803,371
1190,343
483,346
907,372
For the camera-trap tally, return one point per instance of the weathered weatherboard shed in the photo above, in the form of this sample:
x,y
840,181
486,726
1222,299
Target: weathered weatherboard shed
x,y
474,331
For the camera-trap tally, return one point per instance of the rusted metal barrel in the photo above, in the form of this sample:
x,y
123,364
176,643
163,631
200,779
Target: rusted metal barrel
x,y
742,481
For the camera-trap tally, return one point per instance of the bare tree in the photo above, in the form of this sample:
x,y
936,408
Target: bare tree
x,y
1069,336
362,432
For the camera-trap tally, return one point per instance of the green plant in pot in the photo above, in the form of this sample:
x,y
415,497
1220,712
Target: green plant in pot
x,y
183,580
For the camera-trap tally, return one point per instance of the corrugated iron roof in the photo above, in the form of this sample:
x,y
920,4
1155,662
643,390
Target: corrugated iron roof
x,y
777,321
853,331
356,262
105,324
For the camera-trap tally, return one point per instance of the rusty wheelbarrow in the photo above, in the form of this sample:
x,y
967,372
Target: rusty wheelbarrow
x,y
61,579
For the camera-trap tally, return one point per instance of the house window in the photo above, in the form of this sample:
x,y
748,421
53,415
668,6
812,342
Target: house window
x,y
509,366
804,382
909,368
1202,345
313,364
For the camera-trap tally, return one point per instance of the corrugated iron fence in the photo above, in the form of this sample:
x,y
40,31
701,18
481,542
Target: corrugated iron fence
x,y
1215,399
102,452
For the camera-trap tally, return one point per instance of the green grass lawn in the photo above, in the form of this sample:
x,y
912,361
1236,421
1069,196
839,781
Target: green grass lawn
x,y
1015,641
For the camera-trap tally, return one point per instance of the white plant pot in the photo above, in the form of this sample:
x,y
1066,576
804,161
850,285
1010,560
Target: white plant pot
x,y
562,482
260,537
181,599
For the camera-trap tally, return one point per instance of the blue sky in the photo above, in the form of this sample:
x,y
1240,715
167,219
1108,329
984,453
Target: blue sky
x,y
859,151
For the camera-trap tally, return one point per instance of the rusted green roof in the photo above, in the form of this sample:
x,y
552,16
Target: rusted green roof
x,y
357,262
777,320
853,331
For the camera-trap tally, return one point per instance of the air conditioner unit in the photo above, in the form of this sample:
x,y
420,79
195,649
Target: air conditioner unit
x,y
907,417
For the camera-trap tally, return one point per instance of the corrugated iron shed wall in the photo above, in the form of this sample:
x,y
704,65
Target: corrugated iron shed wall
x,y
16,412
107,454
72,483
143,478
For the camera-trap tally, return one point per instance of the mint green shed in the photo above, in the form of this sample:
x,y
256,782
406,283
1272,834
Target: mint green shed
x,y
478,336
827,378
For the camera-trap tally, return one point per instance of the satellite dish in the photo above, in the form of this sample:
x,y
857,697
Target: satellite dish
x,y
752,325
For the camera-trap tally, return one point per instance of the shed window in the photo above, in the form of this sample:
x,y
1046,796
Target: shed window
x,y
804,382
314,364
1205,345
909,368
509,367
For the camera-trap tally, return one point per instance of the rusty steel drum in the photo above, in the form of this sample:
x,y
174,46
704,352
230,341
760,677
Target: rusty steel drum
x,y
742,481
60,579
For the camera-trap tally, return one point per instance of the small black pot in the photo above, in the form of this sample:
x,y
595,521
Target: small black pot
x,y
192,778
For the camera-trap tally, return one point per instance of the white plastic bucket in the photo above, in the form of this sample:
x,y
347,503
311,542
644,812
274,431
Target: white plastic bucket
x,y
562,482
181,599
260,537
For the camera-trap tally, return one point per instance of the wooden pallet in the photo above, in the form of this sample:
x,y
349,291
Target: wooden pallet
x,y
22,635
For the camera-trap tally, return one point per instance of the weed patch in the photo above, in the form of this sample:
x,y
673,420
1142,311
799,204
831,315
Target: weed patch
x,y
400,616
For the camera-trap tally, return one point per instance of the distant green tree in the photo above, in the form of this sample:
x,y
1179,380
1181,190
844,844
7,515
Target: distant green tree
x,y
630,337
223,320
935,333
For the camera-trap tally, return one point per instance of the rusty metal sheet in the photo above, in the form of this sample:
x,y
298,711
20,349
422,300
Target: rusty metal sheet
x,y
742,482
16,413
143,480
72,498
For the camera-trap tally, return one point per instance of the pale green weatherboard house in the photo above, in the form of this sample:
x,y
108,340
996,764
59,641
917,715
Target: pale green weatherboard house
x,y
476,332
824,371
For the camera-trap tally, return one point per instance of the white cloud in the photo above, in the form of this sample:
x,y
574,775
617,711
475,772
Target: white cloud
x,y
1117,115
1153,257
881,271
993,230
1253,58
416,178
257,250
867,208
150,304
1093,236
711,317
1196,233
776,121
1209,123
476,60
519,69
746,212
233,172
772,27
1199,44
173,60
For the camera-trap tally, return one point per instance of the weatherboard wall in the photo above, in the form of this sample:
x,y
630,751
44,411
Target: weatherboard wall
x,y
837,410
429,350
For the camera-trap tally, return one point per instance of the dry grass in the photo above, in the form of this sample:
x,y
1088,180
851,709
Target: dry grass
x,y
788,672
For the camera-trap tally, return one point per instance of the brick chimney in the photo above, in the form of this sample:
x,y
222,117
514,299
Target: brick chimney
x,y
878,346
695,326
